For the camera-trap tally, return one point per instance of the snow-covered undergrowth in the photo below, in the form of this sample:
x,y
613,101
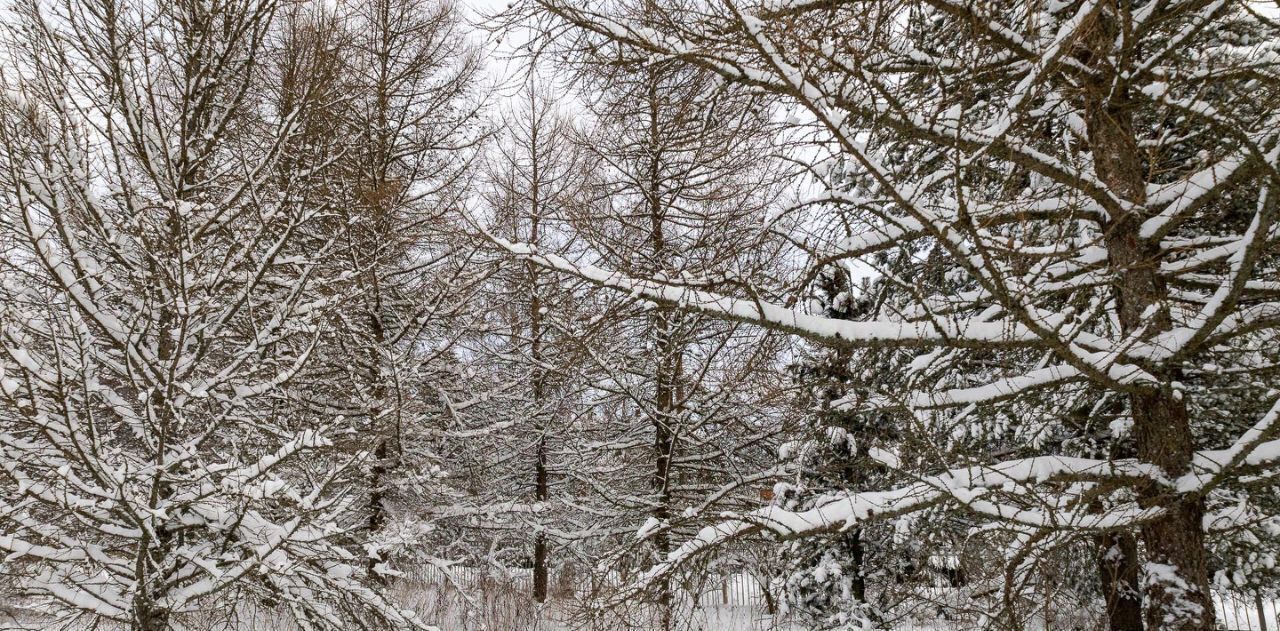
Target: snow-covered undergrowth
x,y
491,607
486,606
498,606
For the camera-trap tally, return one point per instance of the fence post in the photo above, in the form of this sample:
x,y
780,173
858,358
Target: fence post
x,y
1262,616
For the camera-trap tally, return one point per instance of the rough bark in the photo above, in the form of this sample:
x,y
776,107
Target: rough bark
x,y
1119,574
1162,429
146,618
382,463
859,582
377,509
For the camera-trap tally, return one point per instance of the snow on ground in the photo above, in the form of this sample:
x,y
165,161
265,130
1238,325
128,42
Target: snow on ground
x,y
492,606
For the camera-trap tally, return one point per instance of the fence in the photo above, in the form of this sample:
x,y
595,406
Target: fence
x,y
738,590
466,576
1235,611
1246,612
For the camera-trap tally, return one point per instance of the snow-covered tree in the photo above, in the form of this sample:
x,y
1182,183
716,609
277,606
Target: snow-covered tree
x,y
659,417
387,151
680,428
1097,177
162,289
827,581
530,333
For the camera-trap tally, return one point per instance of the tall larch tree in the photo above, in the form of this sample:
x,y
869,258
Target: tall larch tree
x,y
686,167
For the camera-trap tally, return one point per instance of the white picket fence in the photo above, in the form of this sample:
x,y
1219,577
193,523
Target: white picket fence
x,y
1235,611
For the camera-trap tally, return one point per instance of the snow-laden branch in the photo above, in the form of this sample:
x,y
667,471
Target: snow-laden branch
x,y
958,332
966,486
970,487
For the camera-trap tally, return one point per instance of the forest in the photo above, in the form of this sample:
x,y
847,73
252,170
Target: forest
x,y
652,315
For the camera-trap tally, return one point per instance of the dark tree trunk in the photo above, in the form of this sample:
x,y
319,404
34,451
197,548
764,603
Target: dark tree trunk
x,y
377,507
670,365
1175,544
540,539
381,468
541,482
666,396
859,583
147,618
664,446
1118,571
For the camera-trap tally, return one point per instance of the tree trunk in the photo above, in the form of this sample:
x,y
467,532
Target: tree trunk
x,y
664,445
542,489
669,352
377,509
1119,573
1177,579
379,472
147,618
1119,570
1175,542
667,395
542,492
859,582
